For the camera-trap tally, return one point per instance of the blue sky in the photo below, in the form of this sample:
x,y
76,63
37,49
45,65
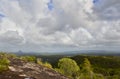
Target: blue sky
x,y
2,15
39,25
50,5
95,1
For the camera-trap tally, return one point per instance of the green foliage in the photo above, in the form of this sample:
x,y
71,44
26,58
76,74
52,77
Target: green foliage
x,y
39,61
86,71
4,62
46,64
113,77
58,70
86,76
3,68
68,67
106,65
28,58
86,66
8,56
99,76
91,76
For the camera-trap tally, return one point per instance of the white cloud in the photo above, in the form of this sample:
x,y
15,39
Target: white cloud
x,y
80,36
11,37
71,23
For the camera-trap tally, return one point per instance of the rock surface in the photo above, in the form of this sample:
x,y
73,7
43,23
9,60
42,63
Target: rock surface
x,y
19,69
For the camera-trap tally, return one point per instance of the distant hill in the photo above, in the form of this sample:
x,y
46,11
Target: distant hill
x,y
72,53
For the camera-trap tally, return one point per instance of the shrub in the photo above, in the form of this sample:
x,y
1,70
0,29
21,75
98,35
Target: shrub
x,y
46,64
28,58
4,62
3,68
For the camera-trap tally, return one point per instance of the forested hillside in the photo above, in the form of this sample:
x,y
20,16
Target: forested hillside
x,y
107,65
90,67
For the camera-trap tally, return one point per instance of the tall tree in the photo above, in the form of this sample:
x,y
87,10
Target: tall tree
x,y
68,67
86,72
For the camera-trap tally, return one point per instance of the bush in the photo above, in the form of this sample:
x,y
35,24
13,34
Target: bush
x,y
4,61
3,68
4,64
28,58
46,64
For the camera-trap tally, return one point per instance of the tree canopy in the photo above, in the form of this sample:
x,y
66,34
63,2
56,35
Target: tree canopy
x,y
68,66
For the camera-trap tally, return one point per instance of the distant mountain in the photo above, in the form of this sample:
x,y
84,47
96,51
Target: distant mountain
x,y
71,53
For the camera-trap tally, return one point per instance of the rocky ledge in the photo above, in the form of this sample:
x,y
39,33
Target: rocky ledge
x,y
19,69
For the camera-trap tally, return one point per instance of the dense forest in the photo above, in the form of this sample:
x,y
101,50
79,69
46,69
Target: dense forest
x,y
74,67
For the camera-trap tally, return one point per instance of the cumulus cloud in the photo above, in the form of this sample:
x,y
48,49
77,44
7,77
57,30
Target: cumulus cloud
x,y
108,10
11,37
32,25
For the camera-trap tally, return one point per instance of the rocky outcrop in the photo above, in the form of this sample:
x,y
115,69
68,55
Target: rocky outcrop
x,y
19,69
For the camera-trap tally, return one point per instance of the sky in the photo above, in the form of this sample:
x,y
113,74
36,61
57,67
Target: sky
x,y
59,25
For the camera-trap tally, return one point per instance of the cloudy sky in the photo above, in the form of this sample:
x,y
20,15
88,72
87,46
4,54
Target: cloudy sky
x,y
59,25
